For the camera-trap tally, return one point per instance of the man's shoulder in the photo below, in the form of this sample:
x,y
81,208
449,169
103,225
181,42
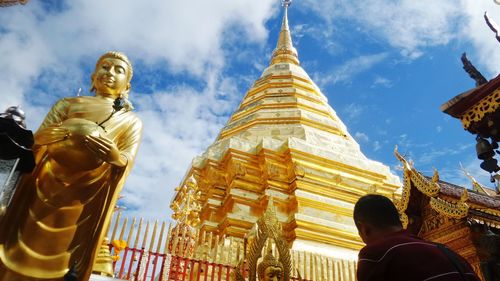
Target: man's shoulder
x,y
393,243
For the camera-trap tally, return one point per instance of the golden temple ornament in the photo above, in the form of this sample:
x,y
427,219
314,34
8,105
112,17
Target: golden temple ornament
x,y
103,264
187,211
268,228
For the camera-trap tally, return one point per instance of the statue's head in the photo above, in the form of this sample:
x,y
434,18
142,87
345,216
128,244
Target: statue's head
x,y
270,269
112,75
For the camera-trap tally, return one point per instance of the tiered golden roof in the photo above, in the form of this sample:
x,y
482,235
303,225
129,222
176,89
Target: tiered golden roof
x,y
285,141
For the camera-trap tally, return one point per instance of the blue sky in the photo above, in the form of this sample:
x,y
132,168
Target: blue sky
x,y
386,66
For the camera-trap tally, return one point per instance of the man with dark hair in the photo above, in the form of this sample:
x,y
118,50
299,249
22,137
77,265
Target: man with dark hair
x,y
392,253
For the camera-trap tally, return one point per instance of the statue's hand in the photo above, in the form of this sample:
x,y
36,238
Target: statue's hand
x,y
106,149
50,135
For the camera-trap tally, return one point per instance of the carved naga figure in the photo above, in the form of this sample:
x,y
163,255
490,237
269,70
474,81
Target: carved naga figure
x,y
83,150
270,268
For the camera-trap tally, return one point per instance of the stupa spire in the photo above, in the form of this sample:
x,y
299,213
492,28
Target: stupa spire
x,y
285,52
286,142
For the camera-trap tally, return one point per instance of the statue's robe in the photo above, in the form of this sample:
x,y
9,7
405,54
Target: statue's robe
x,y
58,215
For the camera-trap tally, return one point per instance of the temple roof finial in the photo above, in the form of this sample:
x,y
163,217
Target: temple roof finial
x,y
285,52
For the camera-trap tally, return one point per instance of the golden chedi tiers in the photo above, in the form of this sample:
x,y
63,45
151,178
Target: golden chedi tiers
x,y
285,141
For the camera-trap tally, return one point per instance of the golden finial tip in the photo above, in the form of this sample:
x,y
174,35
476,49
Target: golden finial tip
x,y
465,195
284,51
396,152
435,177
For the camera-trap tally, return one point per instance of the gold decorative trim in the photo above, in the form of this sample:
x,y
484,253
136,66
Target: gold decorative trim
x,y
427,187
273,85
431,189
475,184
405,196
457,210
187,206
289,105
476,113
289,93
227,131
404,220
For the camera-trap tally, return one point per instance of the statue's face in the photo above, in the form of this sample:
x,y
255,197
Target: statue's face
x,y
272,273
111,77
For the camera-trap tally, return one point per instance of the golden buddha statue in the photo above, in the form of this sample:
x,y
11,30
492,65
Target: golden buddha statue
x,y
270,269
84,150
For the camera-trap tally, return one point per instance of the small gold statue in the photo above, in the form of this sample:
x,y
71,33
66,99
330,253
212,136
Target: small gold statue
x,y
84,150
270,269
268,229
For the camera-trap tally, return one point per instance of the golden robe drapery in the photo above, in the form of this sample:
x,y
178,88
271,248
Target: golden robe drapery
x,y
58,213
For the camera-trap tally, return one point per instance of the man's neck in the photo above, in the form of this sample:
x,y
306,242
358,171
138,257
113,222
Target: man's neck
x,y
382,233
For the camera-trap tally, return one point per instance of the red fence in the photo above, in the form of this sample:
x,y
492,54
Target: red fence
x,y
182,254
140,265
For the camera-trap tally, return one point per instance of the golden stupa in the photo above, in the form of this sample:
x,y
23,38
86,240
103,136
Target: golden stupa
x,y
286,142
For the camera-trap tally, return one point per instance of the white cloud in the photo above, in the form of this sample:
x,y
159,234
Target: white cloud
x,y
406,24
348,70
455,175
404,142
412,26
380,81
42,54
486,47
353,111
429,156
185,36
362,137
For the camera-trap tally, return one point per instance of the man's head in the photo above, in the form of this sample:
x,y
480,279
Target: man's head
x,y
375,216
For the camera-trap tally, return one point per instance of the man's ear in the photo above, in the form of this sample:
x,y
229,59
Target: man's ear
x,y
364,231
